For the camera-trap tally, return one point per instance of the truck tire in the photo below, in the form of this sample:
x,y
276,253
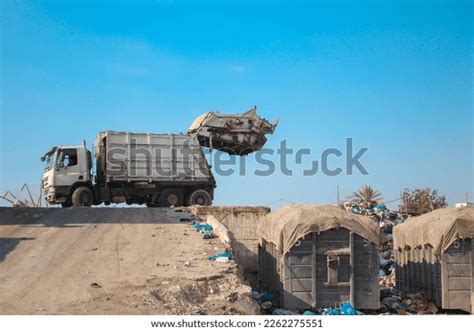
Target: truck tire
x,y
200,197
171,197
82,197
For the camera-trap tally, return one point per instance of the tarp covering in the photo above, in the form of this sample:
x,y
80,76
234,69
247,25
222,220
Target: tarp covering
x,y
440,229
285,226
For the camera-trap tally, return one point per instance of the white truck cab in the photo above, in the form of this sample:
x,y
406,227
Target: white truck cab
x,y
66,168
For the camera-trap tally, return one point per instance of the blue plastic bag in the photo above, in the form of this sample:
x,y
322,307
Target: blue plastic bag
x,y
347,309
223,254
208,235
265,297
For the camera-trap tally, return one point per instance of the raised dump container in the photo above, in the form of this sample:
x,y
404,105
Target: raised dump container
x,y
238,134
435,255
319,256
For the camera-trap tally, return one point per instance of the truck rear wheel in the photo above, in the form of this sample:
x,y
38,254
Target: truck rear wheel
x,y
171,197
200,197
82,197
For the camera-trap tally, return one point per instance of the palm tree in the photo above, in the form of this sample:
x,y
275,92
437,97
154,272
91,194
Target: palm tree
x,y
367,195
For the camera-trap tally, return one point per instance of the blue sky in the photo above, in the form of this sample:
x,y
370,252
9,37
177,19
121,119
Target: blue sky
x,y
394,76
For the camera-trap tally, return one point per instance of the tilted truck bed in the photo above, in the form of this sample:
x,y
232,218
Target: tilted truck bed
x,y
238,134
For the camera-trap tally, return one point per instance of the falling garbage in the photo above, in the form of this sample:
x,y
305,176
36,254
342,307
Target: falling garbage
x,y
238,134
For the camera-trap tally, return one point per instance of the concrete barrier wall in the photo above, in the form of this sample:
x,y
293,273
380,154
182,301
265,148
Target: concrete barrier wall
x,y
244,226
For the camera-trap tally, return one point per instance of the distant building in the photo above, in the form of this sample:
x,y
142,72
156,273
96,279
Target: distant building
x,y
465,204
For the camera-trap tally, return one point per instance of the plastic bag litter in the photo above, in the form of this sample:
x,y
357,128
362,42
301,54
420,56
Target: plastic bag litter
x,y
265,297
201,227
345,309
208,235
223,259
331,311
223,254
196,225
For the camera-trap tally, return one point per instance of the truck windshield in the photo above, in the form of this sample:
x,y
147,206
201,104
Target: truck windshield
x,y
48,161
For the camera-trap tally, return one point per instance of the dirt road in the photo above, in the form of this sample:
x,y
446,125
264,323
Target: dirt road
x,y
112,261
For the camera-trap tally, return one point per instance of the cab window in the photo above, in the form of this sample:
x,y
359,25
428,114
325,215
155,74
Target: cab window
x,y
68,158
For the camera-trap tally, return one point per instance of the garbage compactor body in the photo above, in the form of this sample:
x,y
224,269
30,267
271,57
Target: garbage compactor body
x,y
314,256
435,255
235,134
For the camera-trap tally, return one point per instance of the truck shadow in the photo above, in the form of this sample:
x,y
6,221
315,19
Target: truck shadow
x,y
7,245
74,217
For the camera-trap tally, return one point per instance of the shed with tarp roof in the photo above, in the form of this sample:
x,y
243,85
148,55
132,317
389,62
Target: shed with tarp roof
x,y
435,255
320,256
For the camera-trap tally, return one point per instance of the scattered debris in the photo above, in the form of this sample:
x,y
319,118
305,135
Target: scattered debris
x,y
206,296
233,297
222,259
398,303
264,297
205,229
198,227
208,278
280,311
17,202
345,309
225,254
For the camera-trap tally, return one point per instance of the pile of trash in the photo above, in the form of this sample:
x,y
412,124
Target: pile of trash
x,y
268,307
379,213
345,309
399,303
392,301
386,219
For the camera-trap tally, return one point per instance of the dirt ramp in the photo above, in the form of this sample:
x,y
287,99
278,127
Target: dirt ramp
x,y
108,260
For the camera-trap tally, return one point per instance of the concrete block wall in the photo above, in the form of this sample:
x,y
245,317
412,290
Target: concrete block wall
x,y
244,226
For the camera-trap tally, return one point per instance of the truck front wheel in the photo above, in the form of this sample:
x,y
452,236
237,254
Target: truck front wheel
x,y
200,197
82,197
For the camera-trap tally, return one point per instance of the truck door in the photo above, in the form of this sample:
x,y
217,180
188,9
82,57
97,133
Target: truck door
x,y
67,167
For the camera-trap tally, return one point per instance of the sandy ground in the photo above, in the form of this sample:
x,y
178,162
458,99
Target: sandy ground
x,y
112,261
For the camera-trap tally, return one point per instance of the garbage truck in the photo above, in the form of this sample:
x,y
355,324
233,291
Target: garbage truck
x,y
159,170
